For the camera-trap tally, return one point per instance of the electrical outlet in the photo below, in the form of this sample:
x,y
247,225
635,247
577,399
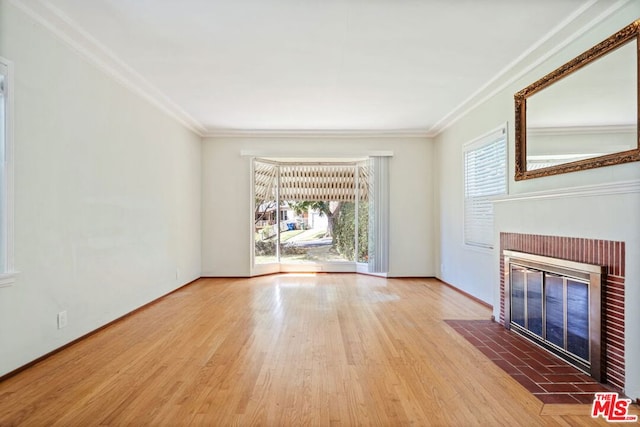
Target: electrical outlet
x,y
62,319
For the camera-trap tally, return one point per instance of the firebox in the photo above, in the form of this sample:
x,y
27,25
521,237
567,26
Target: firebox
x,y
556,304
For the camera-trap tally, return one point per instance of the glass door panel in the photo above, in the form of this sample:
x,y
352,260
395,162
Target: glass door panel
x,y
554,302
534,301
578,318
265,215
363,232
317,232
517,295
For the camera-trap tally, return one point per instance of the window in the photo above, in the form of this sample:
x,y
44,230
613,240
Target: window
x,y
6,182
334,213
485,177
316,222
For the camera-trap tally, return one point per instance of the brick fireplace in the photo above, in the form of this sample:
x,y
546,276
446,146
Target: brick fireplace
x,y
609,254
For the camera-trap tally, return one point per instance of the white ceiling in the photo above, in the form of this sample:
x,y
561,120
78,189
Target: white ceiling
x,y
313,65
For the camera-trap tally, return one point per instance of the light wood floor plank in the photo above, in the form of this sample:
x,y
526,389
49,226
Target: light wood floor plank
x,y
325,350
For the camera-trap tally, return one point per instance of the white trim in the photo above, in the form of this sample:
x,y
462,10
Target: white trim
x,y
368,273
70,32
356,212
7,205
480,249
485,138
252,219
311,156
328,267
262,269
321,267
501,133
476,99
622,187
317,133
81,41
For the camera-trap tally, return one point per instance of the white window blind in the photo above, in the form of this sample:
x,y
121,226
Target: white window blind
x,y
312,182
485,176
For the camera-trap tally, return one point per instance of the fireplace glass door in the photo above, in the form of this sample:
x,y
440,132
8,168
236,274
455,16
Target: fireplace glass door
x,y
556,303
554,309
578,318
526,298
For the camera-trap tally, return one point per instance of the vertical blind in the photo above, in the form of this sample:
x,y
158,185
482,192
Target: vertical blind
x,y
6,176
485,176
378,171
5,262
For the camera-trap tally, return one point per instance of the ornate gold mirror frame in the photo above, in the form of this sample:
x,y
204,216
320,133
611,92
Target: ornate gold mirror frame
x,y
628,34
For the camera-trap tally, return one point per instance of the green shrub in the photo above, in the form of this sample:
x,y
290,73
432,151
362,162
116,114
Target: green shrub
x,y
344,231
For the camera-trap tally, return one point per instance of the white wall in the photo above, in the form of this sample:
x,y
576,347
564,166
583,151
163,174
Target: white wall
x,y
107,196
612,217
226,240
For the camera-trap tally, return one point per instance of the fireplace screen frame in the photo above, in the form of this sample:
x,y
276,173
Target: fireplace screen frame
x,y
592,275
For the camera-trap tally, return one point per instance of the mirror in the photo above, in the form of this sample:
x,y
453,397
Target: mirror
x,y
584,114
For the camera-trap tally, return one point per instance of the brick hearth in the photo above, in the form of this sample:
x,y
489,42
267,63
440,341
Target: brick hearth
x,y
550,379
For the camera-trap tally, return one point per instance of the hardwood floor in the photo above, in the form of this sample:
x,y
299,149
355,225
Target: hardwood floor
x,y
326,349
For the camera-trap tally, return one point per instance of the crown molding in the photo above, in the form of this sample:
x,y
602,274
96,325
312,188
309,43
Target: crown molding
x,y
54,20
69,32
284,133
500,81
352,156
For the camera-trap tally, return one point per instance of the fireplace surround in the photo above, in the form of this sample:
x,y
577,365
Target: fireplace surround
x,y
610,255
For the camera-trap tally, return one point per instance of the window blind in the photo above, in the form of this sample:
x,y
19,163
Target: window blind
x,y
318,182
485,176
310,182
265,180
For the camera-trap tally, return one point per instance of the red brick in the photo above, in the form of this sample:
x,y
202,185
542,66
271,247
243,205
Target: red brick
x,y
614,311
615,282
527,383
556,398
558,387
615,324
567,378
584,397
